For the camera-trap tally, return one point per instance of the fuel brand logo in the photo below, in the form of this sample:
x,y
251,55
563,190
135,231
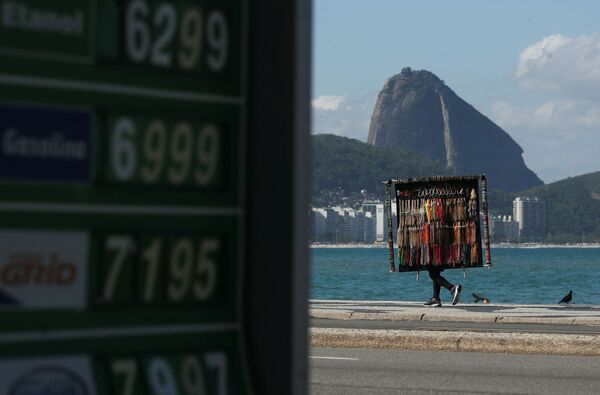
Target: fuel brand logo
x,y
23,269
49,380
43,269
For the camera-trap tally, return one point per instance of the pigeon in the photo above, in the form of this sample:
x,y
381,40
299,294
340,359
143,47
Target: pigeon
x,y
567,299
481,299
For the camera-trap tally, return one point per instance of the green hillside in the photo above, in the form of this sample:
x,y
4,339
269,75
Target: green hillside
x,y
340,163
572,208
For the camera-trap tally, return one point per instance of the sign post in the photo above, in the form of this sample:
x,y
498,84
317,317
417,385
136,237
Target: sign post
x,y
122,179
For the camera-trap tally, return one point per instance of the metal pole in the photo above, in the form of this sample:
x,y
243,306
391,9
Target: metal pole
x,y
388,201
486,225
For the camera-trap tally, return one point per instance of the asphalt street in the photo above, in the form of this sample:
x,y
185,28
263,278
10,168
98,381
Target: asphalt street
x,y
376,371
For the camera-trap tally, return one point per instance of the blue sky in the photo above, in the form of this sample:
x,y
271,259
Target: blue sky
x,y
530,66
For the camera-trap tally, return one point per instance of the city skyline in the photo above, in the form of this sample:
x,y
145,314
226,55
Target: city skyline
x,y
368,224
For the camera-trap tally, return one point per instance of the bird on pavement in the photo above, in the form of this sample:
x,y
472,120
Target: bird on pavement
x,y
567,298
480,299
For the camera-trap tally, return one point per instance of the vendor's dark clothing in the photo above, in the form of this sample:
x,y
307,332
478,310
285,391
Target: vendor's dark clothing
x,y
438,281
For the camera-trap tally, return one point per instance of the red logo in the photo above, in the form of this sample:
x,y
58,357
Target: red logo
x,y
30,269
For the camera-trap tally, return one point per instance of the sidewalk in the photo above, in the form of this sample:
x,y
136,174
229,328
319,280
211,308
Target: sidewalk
x,y
500,339
465,312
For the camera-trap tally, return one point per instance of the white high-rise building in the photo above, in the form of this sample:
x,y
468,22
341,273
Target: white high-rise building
x,y
504,230
349,233
381,223
331,225
365,227
379,214
378,218
318,221
361,226
531,216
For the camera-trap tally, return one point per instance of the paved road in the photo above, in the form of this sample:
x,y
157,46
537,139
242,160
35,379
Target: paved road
x,y
367,371
487,327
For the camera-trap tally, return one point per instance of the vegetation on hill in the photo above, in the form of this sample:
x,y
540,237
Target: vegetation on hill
x,y
349,166
500,202
572,208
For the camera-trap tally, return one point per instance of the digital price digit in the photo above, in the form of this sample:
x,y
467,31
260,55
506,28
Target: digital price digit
x,y
118,268
192,270
166,36
149,268
125,373
162,379
160,154
192,376
217,362
178,269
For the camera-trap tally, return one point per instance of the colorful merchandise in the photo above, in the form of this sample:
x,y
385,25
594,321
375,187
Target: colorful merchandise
x,y
438,223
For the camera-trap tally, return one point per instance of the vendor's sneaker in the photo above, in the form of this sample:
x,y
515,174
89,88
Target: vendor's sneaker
x,y
433,303
456,293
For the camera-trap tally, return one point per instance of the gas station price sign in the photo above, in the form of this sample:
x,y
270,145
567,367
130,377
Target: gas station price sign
x,y
121,152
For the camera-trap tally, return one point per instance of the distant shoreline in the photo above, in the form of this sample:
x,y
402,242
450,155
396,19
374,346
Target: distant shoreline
x,y
522,246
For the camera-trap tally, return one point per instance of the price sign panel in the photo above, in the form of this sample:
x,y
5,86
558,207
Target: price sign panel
x,y
121,204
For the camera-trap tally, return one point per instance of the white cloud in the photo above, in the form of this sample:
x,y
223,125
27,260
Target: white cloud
x,y
328,103
560,138
343,115
559,131
562,65
565,114
540,53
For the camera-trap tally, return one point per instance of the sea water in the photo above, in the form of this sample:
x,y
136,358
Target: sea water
x,y
518,275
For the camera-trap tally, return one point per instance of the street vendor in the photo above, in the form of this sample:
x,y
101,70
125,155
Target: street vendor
x,y
438,227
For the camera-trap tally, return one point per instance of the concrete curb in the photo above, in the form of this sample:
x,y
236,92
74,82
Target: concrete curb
x,y
338,314
513,343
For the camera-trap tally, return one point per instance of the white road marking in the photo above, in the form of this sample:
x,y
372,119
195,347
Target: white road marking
x,y
340,358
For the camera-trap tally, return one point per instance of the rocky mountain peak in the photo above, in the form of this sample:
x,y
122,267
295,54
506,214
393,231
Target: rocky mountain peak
x,y
415,109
